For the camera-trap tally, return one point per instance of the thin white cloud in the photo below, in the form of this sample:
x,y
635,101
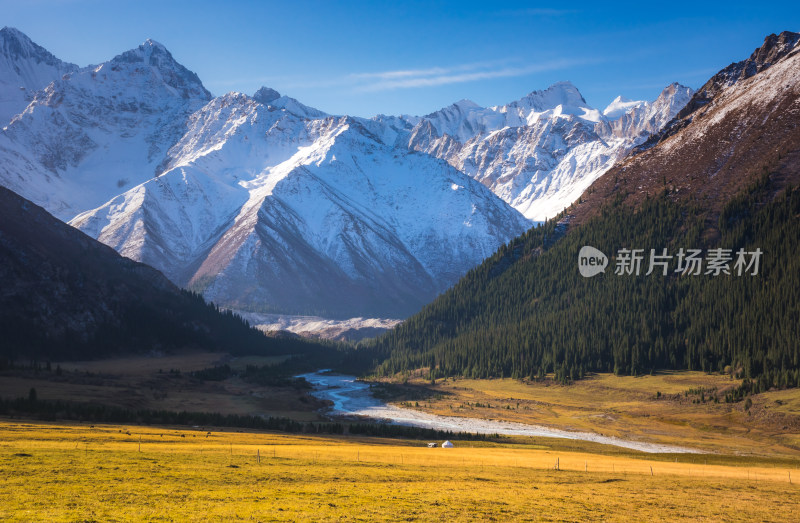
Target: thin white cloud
x,y
375,81
431,71
433,77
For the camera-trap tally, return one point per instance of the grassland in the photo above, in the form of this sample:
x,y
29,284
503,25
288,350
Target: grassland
x,y
74,472
78,472
674,408
163,383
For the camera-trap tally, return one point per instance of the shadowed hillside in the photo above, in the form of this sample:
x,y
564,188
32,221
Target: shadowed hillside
x,y
64,295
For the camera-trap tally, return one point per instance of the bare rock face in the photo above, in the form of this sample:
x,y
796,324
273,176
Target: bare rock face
x,y
746,126
774,49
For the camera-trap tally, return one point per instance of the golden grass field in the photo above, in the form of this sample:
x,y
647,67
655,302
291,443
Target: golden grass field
x,y
76,472
627,407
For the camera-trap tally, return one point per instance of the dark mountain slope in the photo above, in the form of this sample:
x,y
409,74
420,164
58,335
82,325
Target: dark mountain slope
x,y
65,295
527,311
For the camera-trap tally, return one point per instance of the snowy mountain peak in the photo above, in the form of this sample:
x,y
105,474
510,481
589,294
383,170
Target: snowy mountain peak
x,y
143,54
672,88
620,106
637,123
464,120
266,95
291,105
260,206
152,44
672,96
25,68
560,93
465,103
81,138
155,55
455,110
13,32
540,153
16,45
675,93
274,100
561,99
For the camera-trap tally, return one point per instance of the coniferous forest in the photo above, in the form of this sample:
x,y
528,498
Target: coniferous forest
x,y
527,311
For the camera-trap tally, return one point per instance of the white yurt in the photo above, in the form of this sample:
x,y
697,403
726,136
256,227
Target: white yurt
x,y
447,445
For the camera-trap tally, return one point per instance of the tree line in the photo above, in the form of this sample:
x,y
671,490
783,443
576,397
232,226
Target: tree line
x,y
54,410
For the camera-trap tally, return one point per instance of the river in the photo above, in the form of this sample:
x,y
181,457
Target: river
x,y
351,397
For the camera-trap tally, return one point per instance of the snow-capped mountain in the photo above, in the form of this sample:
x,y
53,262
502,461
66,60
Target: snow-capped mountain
x,y
541,152
264,203
619,106
644,119
89,135
560,99
24,69
262,207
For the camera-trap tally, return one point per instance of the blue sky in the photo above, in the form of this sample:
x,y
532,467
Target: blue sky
x,y
409,57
